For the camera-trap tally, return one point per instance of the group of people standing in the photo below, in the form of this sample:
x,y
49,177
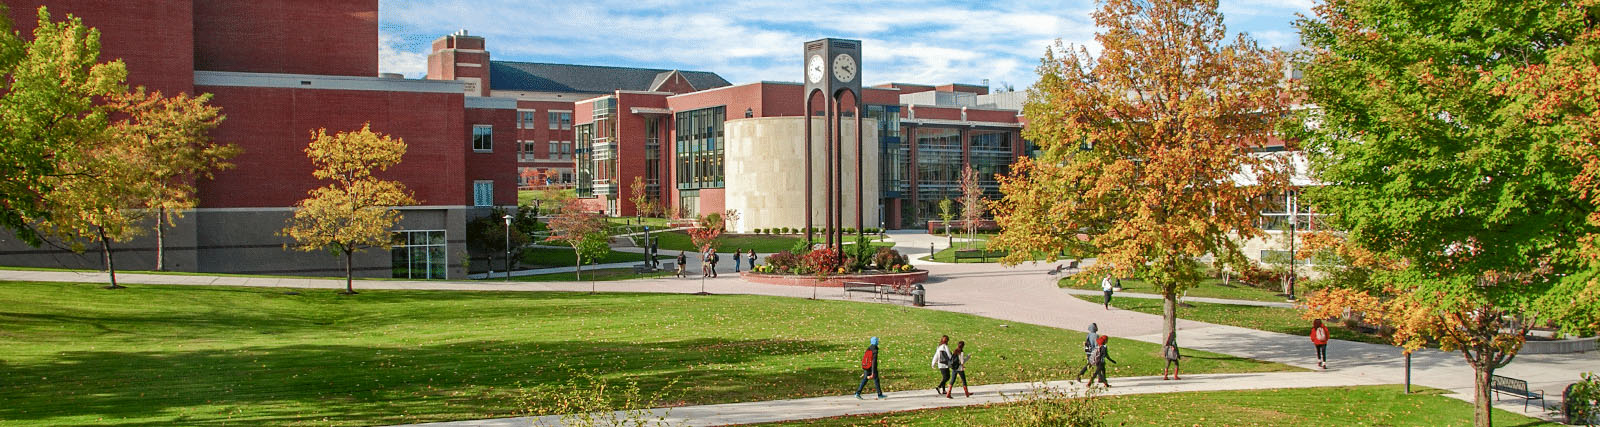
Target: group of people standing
x,y
709,259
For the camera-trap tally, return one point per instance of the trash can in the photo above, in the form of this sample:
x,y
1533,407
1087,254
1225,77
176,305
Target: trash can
x,y
919,295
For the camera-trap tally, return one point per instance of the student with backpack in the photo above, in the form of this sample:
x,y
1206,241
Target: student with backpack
x,y
1102,354
869,369
714,259
683,262
752,260
1088,349
941,361
1319,338
1106,287
958,368
738,254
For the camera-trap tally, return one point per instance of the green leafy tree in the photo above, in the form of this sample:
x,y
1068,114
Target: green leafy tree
x,y
355,212
488,234
1431,161
171,137
99,205
51,111
1143,146
947,213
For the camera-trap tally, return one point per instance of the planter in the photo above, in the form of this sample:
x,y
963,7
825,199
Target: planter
x,y
836,280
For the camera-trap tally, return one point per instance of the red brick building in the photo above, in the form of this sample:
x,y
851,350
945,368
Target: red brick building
x,y
280,69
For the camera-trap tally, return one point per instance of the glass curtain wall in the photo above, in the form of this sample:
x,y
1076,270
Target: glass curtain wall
x,y
991,155
583,178
938,169
700,148
652,157
418,254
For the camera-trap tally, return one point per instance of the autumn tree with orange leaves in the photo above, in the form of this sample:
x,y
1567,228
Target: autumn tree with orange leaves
x,y
1145,147
1455,139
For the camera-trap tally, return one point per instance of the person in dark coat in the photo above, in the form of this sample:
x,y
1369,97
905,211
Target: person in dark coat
x,y
1170,352
1089,343
1102,354
738,259
683,262
869,369
958,368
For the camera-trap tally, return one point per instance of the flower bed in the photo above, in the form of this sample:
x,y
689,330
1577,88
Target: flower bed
x,y
836,280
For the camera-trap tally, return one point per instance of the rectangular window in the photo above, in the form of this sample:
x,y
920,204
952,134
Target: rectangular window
x,y
525,118
482,138
555,150
482,193
418,254
582,179
560,120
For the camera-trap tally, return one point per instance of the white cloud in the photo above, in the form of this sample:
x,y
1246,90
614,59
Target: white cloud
x,y
394,59
904,41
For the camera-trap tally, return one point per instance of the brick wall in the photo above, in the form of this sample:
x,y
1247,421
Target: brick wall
x,y
287,36
154,38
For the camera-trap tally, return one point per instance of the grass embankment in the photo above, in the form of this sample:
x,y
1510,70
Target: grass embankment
x,y
555,257
762,243
74,354
1208,288
1271,319
1367,405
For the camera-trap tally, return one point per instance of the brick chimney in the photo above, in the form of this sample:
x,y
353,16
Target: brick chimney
x,y
463,58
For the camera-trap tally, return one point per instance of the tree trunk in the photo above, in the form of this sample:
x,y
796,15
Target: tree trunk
x,y
161,235
1482,394
111,266
349,276
1169,311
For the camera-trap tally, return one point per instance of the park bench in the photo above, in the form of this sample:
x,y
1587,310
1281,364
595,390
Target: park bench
x,y
983,255
1517,388
643,268
871,288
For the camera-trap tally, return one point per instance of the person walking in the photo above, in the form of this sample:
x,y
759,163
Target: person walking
x,y
1319,338
1105,286
655,251
705,262
941,361
683,262
1170,352
1102,354
1089,343
869,369
714,259
738,255
752,260
958,368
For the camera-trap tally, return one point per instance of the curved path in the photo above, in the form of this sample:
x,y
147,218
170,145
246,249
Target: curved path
x,y
1023,293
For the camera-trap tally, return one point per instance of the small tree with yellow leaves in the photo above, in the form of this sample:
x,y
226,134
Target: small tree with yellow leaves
x,y
355,212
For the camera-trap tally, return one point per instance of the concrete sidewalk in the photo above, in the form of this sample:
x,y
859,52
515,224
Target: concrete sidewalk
x,y
833,406
1116,295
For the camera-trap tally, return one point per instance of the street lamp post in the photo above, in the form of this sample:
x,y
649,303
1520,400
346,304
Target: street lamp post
x,y
508,247
1293,214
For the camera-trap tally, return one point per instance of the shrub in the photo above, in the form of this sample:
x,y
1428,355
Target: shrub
x,y
800,248
1049,406
820,261
886,258
783,262
860,254
1581,400
850,230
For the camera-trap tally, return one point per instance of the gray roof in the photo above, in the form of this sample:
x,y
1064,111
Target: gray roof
x,y
540,77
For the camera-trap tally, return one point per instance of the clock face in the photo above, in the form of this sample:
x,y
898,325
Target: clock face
x,y
844,68
814,69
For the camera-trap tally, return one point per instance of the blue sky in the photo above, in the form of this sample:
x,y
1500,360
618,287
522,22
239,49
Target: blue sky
x,y
748,41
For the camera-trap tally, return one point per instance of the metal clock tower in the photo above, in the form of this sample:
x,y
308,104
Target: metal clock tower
x,y
833,69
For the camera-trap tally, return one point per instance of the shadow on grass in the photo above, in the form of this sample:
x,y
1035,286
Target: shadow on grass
x,y
365,384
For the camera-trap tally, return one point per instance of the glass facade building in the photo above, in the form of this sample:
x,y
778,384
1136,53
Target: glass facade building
x,y
700,148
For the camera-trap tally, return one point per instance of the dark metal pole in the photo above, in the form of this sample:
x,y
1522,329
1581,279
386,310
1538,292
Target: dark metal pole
x,y
827,191
838,182
809,174
1293,214
860,145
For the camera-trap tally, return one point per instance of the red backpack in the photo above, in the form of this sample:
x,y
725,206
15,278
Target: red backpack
x,y
866,360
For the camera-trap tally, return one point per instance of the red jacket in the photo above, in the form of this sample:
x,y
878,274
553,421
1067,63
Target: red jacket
x,y
1319,335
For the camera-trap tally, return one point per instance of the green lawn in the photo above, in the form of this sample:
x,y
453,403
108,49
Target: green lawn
x,y
526,197
553,257
1208,288
601,275
1272,319
949,254
1385,405
73,354
762,243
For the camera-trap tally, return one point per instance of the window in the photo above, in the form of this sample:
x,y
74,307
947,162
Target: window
x,y
418,254
482,138
482,193
700,148
560,119
582,179
525,118
555,150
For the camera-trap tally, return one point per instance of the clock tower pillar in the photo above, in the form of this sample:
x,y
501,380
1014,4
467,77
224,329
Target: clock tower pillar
x,y
833,70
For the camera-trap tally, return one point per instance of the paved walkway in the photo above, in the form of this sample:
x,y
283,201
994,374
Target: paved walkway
x,y
832,406
1022,294
1114,297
